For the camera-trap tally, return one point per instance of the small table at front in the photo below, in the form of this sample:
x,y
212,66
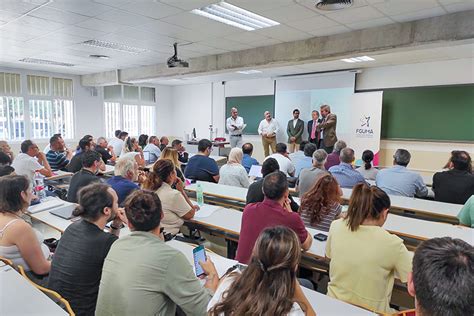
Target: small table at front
x,y
19,297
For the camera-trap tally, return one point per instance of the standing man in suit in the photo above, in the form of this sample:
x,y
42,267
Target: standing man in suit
x,y
294,130
313,128
328,129
235,125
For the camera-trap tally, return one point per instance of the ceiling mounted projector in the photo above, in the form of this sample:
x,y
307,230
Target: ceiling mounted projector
x,y
174,61
332,5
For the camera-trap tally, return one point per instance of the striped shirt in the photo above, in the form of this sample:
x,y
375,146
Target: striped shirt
x,y
326,219
57,160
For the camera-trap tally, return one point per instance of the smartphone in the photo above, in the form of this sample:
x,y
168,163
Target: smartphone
x,y
320,237
199,254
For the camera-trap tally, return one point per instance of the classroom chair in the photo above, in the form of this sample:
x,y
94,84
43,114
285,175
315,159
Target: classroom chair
x,y
7,261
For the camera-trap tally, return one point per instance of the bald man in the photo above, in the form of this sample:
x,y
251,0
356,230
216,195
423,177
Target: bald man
x,y
235,125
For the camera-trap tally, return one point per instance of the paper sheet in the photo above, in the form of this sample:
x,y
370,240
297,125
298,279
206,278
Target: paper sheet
x,y
206,210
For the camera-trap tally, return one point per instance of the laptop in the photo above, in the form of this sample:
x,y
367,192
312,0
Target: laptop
x,y
146,156
64,212
255,171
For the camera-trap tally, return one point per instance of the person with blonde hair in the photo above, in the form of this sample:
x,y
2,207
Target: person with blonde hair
x,y
268,286
233,173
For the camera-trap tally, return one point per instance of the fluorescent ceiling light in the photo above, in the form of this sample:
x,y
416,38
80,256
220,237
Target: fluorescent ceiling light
x,y
45,62
249,72
231,15
357,59
115,46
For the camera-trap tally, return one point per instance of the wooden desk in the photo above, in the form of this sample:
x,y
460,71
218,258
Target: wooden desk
x,y
322,304
20,297
58,175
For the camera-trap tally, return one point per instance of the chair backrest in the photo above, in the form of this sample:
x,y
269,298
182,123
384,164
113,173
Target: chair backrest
x,y
409,312
6,261
53,295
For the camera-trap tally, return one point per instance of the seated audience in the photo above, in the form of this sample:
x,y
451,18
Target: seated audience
x,y
296,156
175,207
125,176
31,160
268,286
367,170
105,150
182,154
142,140
153,147
118,141
77,263
5,159
48,146
255,192
457,184
200,167
309,176
6,170
281,156
85,144
233,173
307,160
247,160
442,278
87,175
334,157
58,156
344,173
360,249
142,275
398,180
19,242
6,149
275,210
132,149
466,215
164,141
321,204
171,154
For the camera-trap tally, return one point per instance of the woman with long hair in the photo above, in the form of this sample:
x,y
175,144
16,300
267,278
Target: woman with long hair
x,y
233,173
321,204
367,170
365,258
142,140
132,149
175,207
268,286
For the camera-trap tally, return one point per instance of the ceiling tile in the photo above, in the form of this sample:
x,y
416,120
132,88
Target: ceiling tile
x,y
370,23
313,23
35,23
462,6
246,37
224,43
188,5
417,15
260,7
201,24
355,15
154,10
80,32
57,15
289,13
330,30
124,18
174,31
99,25
284,33
398,7
84,7
20,7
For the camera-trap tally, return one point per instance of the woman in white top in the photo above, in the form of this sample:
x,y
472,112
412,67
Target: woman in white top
x,y
233,173
367,170
175,207
132,148
19,242
268,286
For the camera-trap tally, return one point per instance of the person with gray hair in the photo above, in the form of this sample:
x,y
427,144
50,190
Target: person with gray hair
x,y
125,176
398,180
344,173
309,176
235,125
333,158
105,150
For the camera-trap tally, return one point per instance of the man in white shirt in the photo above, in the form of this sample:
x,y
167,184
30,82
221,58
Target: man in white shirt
x,y
153,147
31,160
235,125
117,141
281,156
268,128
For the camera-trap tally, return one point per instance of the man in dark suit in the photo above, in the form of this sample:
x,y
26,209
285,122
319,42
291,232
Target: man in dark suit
x,y
313,128
295,131
328,127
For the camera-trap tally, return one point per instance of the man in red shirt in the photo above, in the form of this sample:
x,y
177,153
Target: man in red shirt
x,y
275,210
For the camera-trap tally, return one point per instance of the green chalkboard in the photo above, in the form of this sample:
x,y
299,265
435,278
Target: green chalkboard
x,y
251,108
443,113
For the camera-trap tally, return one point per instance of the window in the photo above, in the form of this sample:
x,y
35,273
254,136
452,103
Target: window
x,y
12,118
38,85
63,118
129,108
9,84
48,118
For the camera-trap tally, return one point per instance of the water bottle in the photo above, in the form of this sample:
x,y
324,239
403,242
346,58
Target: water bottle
x,y
200,195
39,186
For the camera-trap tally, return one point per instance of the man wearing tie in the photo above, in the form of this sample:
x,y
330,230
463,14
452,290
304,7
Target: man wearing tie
x,y
313,128
268,128
294,130
328,129
235,125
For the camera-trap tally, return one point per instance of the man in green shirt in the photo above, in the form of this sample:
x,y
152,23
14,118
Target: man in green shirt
x,y
466,215
144,276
